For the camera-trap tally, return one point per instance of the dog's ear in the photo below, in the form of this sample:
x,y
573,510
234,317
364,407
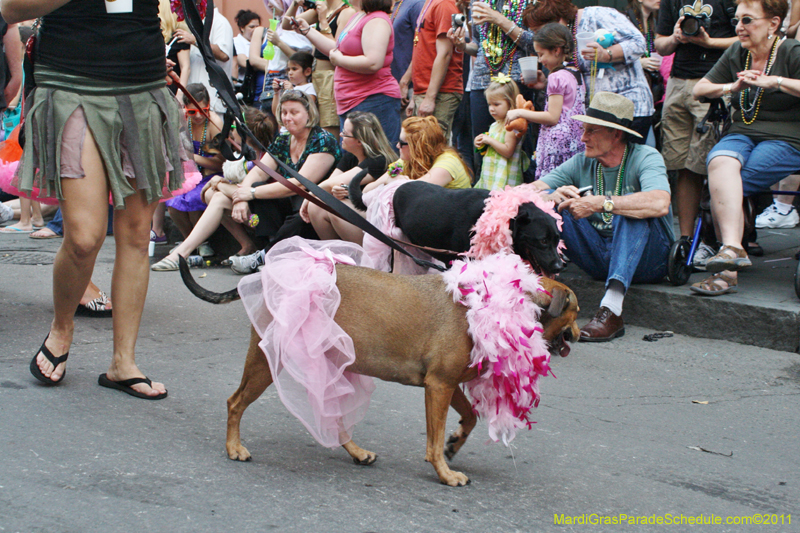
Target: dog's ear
x,y
558,302
522,219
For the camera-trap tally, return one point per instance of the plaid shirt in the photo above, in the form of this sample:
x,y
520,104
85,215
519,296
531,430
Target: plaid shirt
x,y
497,171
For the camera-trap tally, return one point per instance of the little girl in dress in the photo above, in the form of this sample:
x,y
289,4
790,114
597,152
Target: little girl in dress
x,y
559,136
502,162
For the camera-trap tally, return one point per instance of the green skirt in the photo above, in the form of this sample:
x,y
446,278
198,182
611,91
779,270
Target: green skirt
x,y
139,130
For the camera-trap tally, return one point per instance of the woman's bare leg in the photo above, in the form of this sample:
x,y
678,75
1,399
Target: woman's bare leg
x,y
158,219
85,211
181,220
129,287
239,233
206,225
725,185
329,226
24,215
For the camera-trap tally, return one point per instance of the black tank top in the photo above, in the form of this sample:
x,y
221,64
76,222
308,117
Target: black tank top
x,y
82,38
334,24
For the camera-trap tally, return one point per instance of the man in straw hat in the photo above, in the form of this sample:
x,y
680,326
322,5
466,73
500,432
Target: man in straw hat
x,y
620,230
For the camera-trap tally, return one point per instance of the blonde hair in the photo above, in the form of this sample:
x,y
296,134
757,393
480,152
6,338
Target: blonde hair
x,y
508,91
169,20
302,98
368,131
426,142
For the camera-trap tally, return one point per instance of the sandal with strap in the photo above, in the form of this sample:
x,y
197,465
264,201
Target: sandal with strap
x,y
724,261
713,286
55,361
126,386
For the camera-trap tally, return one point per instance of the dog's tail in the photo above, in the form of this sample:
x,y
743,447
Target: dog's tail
x,y
355,190
202,293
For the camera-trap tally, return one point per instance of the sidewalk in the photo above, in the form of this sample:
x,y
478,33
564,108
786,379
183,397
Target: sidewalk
x,y
765,312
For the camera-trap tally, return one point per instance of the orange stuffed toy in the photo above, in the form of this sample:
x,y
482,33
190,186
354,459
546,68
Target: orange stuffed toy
x,y
519,126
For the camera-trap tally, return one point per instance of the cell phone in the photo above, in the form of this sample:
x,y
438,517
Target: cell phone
x,y
583,190
309,5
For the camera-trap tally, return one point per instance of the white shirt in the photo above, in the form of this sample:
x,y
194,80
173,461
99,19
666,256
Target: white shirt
x,y
222,36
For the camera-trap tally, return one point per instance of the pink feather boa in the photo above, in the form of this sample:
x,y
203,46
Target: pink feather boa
x,y
509,350
492,232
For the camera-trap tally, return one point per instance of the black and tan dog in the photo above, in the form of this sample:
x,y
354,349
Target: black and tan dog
x,y
440,218
415,335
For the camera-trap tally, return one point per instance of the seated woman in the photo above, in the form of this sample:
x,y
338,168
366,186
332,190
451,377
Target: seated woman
x,y
365,147
217,193
306,148
186,209
425,155
761,72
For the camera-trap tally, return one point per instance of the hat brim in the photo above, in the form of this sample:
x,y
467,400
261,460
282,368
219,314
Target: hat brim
x,y
600,122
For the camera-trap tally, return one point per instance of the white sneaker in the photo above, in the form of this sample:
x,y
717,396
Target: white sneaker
x,y
701,255
247,264
6,213
205,250
771,218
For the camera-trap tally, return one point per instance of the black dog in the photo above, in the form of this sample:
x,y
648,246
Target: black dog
x,y
440,218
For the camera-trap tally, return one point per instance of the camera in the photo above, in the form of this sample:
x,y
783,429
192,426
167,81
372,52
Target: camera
x,y
691,24
458,20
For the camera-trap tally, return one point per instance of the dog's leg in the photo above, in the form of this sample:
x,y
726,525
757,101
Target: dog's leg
x,y
255,379
467,423
360,455
437,402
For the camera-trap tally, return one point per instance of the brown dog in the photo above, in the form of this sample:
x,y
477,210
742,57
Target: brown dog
x,y
415,335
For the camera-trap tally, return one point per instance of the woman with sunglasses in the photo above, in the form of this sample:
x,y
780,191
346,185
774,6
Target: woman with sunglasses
x,y
761,74
186,209
100,121
304,147
365,146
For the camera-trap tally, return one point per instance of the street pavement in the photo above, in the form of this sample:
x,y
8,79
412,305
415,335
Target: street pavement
x,y
681,426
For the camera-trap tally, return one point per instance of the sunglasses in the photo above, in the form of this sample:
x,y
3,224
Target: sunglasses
x,y
402,143
744,20
192,112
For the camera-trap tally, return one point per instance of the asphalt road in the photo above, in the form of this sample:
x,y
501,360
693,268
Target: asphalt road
x,y
617,434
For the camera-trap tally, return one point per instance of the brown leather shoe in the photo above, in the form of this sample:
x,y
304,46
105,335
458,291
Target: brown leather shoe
x,y
604,327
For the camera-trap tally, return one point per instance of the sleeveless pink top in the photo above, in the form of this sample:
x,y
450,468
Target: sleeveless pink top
x,y
352,88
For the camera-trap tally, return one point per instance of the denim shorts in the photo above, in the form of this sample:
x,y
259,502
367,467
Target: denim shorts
x,y
763,163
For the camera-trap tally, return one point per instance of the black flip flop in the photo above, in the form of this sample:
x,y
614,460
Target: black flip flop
x,y
55,361
126,384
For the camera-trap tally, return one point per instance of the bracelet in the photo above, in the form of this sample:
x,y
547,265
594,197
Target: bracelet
x,y
726,89
306,33
326,31
779,80
513,27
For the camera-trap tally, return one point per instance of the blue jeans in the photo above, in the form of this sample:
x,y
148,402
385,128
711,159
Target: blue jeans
x,y
386,108
637,252
763,164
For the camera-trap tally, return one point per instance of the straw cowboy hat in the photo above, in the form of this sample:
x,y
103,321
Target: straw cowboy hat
x,y
610,110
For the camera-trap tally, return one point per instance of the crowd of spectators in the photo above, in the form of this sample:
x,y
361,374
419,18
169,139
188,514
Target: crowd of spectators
x,y
617,98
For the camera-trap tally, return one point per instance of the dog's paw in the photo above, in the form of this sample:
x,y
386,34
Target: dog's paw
x,y
367,460
238,453
454,479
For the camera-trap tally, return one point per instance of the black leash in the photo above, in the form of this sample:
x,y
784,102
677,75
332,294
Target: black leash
x,y
221,82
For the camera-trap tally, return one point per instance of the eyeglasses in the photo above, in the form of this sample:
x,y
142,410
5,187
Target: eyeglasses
x,y
192,112
343,134
746,21
294,95
402,143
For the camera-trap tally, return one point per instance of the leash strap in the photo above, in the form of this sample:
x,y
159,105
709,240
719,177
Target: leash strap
x,y
224,87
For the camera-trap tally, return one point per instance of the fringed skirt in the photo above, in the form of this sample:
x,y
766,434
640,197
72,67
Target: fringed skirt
x,y
137,129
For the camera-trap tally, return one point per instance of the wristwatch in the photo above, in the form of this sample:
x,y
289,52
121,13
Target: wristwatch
x,y
608,205
779,81
253,192
726,89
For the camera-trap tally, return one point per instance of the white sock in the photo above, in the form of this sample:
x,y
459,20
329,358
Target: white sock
x,y
615,294
783,208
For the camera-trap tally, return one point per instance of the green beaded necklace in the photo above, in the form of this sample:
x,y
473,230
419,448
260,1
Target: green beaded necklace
x,y
600,183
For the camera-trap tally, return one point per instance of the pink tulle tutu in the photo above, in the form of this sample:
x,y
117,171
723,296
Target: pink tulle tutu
x,y
191,177
292,303
380,213
492,232
509,350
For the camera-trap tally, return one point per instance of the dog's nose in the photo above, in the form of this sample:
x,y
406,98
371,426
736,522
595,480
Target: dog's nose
x,y
558,266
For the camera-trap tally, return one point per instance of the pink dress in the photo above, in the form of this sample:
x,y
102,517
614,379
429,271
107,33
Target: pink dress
x,y
291,304
562,141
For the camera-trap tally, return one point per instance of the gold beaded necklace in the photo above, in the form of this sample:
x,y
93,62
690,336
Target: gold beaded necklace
x,y
750,113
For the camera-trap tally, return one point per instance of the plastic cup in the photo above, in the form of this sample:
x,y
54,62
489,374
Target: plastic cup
x,y
273,24
529,66
584,38
119,6
269,52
